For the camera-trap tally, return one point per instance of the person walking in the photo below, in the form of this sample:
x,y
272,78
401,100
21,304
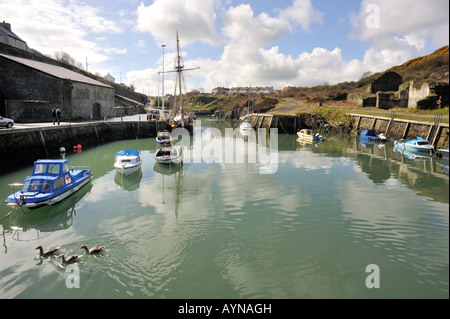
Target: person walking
x,y
58,115
54,115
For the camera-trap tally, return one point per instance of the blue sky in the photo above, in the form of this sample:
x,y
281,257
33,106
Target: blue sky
x,y
235,43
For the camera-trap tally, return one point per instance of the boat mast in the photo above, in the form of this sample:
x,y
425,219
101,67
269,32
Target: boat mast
x,y
179,68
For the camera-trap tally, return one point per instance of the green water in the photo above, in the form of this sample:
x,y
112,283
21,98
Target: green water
x,y
226,230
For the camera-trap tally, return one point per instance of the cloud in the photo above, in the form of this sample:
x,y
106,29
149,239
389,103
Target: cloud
x,y
240,25
303,13
399,30
51,25
195,19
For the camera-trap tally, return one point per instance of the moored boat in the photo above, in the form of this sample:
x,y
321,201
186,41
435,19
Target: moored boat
x,y
443,152
308,135
51,182
168,155
372,135
163,138
127,162
414,144
246,125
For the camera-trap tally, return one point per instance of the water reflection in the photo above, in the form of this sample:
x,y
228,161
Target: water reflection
x,y
35,224
224,230
129,182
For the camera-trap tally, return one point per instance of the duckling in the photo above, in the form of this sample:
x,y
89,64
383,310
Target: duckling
x,y
93,250
71,259
46,253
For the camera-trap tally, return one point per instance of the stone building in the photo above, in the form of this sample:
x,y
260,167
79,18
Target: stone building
x,y
389,81
30,89
9,37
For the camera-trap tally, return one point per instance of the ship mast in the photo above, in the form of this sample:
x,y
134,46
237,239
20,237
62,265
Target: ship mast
x,y
179,67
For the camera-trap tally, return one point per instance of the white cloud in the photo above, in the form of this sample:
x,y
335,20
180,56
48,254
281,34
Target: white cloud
x,y
195,19
240,25
405,28
51,25
303,13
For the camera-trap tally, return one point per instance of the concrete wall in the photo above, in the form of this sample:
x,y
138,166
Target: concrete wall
x,y
23,147
396,129
417,94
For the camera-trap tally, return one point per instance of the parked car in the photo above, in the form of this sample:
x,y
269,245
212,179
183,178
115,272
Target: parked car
x,y
6,122
153,115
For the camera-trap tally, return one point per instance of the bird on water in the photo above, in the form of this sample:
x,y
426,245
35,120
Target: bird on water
x,y
70,259
93,250
46,253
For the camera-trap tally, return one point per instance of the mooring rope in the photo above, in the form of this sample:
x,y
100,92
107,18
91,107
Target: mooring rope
x,y
7,215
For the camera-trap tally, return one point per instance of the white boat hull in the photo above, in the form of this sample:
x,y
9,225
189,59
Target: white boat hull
x,y
127,169
173,157
246,126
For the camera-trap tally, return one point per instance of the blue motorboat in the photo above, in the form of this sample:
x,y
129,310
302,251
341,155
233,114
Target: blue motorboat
x,y
371,135
413,144
51,182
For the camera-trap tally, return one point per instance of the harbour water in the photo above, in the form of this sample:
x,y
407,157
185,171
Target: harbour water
x,y
336,220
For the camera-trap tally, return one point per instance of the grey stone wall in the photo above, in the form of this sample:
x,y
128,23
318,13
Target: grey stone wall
x,y
389,81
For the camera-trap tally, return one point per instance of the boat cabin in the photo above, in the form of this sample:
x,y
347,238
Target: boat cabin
x,y
47,176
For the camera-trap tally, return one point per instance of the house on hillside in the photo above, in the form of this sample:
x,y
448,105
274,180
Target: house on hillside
x,y
9,37
110,78
30,89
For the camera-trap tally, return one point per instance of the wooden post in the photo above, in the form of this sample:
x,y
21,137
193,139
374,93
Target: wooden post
x,y
405,132
436,136
358,122
388,128
373,123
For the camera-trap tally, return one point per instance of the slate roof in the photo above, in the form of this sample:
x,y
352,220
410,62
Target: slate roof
x,y
9,33
56,71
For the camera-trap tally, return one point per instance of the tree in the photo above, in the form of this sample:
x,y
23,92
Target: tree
x,y
66,58
366,75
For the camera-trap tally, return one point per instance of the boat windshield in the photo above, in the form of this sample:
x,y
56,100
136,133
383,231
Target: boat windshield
x,y
50,168
36,186
32,186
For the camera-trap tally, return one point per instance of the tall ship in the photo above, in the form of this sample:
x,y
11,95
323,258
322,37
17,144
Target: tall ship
x,y
180,117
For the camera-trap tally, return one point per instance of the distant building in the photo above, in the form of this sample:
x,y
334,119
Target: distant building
x,y
253,90
110,78
10,38
219,91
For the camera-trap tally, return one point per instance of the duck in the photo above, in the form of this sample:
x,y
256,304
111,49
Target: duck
x,y
93,250
46,253
71,259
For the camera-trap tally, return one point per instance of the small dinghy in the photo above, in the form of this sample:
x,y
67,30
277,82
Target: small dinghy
x,y
168,155
308,135
127,162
